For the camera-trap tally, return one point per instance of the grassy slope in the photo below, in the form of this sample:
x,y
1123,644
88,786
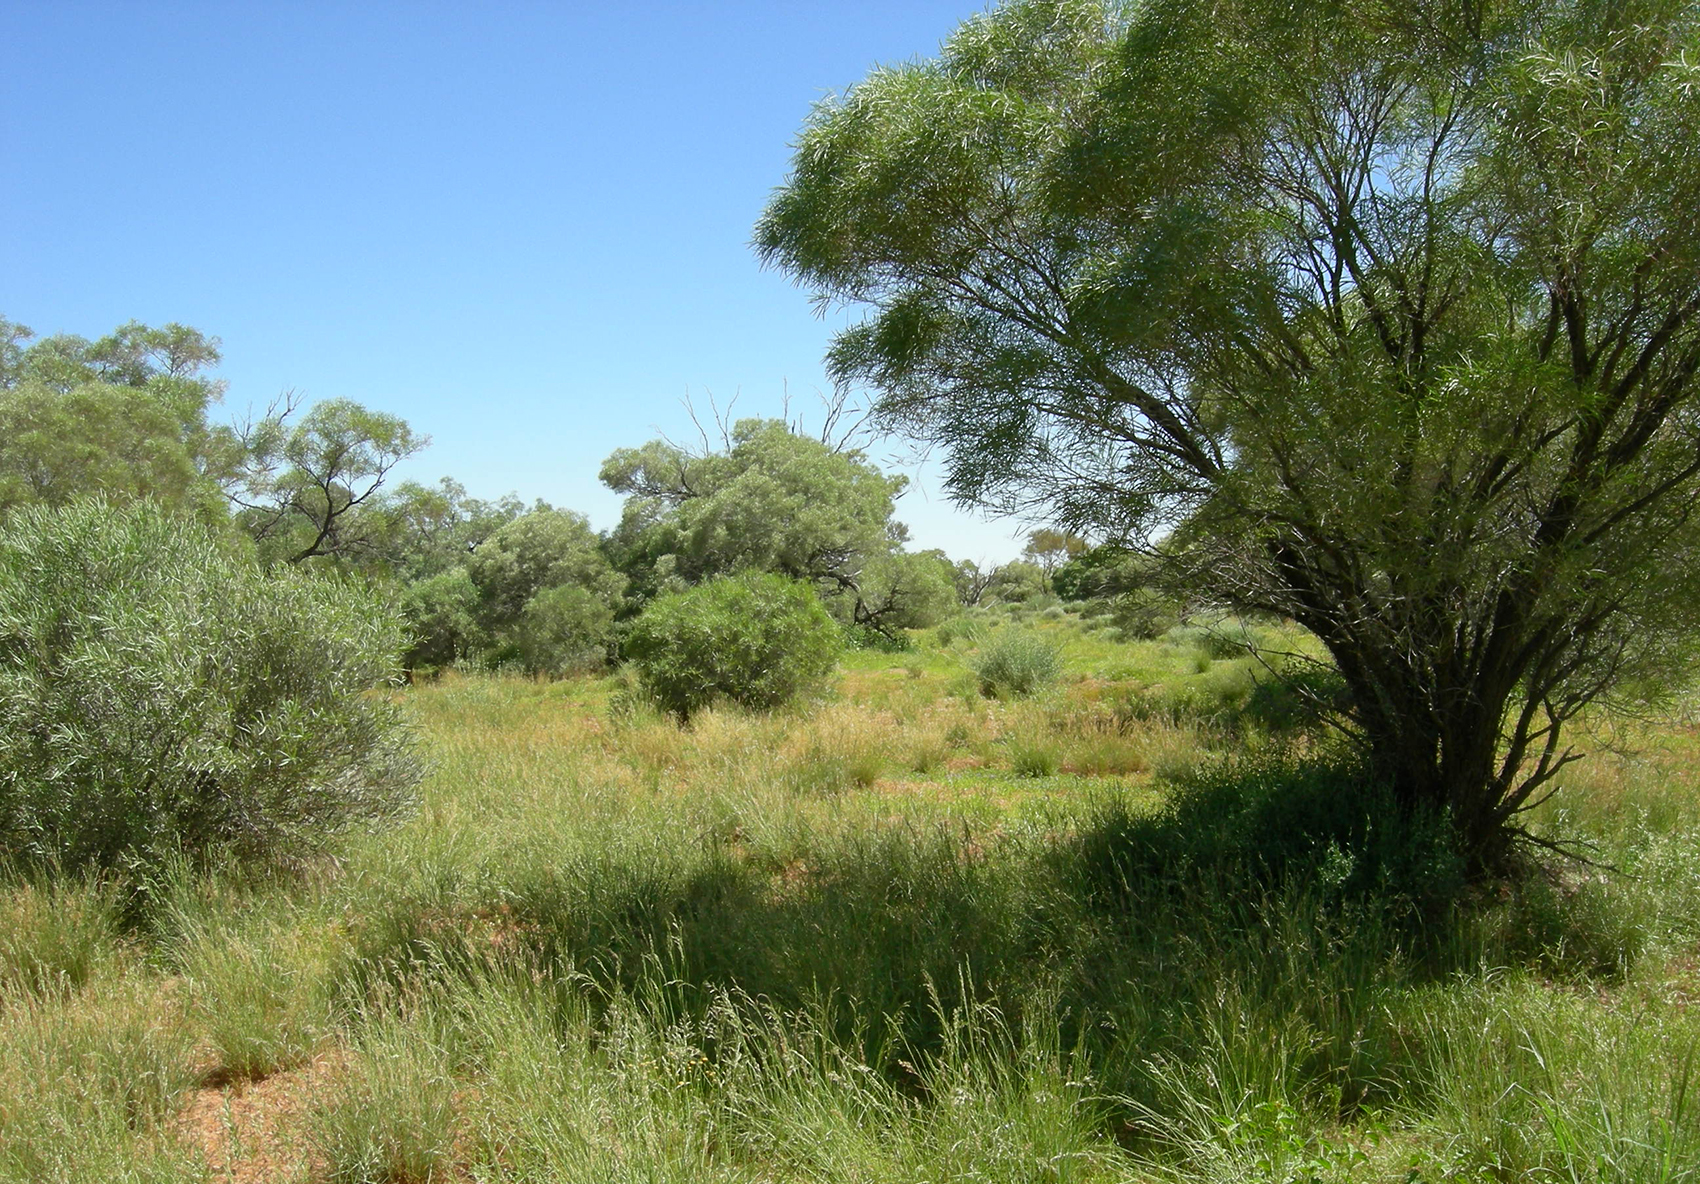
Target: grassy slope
x,y
876,938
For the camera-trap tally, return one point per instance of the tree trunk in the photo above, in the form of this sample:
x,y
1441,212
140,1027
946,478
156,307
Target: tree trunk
x,y
1438,749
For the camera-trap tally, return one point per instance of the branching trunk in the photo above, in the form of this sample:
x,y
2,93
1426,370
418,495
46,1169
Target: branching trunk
x,y
1398,339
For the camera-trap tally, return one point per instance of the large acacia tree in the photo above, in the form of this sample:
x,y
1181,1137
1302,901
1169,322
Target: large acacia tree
x,y
1387,311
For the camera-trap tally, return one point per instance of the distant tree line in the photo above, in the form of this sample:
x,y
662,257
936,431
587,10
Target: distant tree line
x,y
494,582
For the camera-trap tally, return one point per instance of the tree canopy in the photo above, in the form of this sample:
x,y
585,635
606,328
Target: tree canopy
x,y
777,501
124,414
1389,312
546,548
310,488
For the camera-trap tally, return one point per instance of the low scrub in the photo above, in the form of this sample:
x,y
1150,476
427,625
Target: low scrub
x,y
1014,664
161,695
754,639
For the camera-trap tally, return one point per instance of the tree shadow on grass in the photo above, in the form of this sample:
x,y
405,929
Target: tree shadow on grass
x,y
1261,928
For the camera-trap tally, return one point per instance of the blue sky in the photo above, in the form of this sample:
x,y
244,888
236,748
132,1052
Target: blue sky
x,y
522,226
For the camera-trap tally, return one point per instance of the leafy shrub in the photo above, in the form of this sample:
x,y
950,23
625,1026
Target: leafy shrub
x,y
756,639
1142,615
565,630
159,693
1015,582
960,628
441,613
1014,664
1224,639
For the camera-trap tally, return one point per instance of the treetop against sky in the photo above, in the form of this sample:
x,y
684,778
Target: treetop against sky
x,y
522,227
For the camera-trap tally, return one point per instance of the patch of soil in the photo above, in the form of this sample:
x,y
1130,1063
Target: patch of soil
x,y
254,1132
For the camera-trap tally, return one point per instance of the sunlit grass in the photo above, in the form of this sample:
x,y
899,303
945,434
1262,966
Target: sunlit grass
x,y
901,932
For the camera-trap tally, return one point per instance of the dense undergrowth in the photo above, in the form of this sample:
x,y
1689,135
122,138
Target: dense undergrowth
x,y
1129,927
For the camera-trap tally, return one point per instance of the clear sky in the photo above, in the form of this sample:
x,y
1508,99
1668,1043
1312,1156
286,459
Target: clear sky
x,y
522,226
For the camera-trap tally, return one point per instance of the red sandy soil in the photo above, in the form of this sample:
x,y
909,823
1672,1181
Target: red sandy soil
x,y
253,1132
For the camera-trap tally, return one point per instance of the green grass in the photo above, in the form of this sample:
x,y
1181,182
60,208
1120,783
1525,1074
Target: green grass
x,y
1111,931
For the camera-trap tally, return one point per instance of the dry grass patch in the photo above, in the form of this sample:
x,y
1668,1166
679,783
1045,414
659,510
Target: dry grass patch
x,y
840,746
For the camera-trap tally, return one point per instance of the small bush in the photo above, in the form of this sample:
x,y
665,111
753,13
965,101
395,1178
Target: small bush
x,y
159,694
754,639
1225,639
1032,758
1014,664
960,628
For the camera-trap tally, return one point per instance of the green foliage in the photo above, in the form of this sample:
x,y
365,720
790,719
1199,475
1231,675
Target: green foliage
x,y
565,630
310,488
1390,326
259,991
970,580
960,628
963,976
124,416
1050,549
1105,572
167,361
1227,638
863,637
897,590
88,1088
755,639
544,549
158,694
1305,694
1030,757
55,933
426,530
1015,582
774,500
441,611
1267,824
1015,663
393,1119
1143,614
115,440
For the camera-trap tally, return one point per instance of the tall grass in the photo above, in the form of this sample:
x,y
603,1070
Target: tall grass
x,y
88,1084
56,934
854,942
1015,663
